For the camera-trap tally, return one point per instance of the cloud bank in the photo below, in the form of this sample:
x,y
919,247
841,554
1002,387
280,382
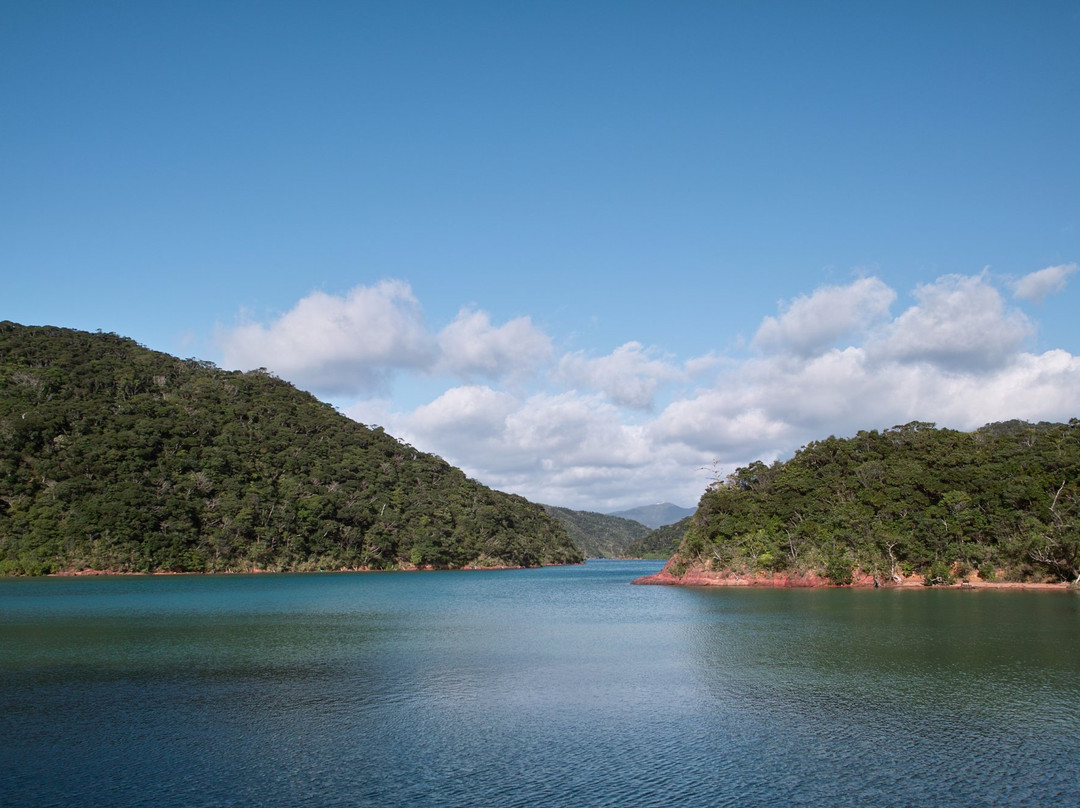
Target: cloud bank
x,y
602,432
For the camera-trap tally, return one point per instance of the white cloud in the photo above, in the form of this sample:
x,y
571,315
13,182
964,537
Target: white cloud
x,y
960,323
563,449
629,376
809,325
466,416
1033,387
356,343
956,357
1037,286
337,344
766,410
471,346
728,426
571,429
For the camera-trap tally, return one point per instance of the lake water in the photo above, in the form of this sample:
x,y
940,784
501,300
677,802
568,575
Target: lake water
x,y
551,687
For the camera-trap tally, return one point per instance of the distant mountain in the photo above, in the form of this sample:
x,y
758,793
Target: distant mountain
x,y
115,457
654,516
600,535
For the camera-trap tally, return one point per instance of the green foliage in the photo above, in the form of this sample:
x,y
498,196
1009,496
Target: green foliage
x,y
912,498
678,566
939,574
599,535
838,570
119,458
660,543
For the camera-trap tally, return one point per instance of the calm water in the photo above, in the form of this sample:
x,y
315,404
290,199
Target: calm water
x,y
561,687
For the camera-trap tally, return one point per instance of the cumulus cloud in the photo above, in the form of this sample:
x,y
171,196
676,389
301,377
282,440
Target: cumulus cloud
x,y
811,324
629,376
567,449
960,323
472,346
1037,286
541,431
584,436
354,344
467,416
337,344
956,357
722,425
767,411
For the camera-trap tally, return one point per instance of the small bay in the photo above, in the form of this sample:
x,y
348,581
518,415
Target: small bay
x,y
556,686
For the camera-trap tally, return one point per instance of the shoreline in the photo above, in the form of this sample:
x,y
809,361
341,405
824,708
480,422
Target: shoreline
x,y
705,578
257,571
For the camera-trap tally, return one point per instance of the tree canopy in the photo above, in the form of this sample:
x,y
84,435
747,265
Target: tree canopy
x,y
599,535
662,542
1003,500
119,458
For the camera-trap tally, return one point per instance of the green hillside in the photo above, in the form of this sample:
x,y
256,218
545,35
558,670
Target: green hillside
x,y
662,542
599,535
1003,500
119,458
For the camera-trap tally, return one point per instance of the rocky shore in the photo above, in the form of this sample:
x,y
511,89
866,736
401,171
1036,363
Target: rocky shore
x,y
698,576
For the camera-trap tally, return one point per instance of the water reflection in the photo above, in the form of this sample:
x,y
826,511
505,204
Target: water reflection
x,y
534,687
860,694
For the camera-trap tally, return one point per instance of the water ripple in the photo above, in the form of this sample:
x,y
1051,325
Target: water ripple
x,y
548,687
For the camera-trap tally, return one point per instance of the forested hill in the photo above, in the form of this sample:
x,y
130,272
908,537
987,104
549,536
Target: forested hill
x,y
660,543
1003,500
609,536
599,535
116,457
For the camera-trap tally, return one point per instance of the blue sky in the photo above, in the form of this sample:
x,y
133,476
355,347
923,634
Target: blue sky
x,y
594,253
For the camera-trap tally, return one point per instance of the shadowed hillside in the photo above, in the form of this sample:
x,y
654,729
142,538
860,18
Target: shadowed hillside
x,y
599,535
662,542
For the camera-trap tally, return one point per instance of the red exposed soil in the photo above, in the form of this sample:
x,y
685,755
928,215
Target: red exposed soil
x,y
697,576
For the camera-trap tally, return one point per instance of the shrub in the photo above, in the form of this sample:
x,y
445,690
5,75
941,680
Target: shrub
x,y
939,574
677,567
838,570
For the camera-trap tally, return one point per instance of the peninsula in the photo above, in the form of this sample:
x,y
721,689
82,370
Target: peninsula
x,y
911,505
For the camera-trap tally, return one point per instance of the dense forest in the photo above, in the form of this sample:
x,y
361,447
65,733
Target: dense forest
x,y
1002,501
600,535
115,457
660,543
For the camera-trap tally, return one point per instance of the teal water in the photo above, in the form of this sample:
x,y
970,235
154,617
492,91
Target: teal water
x,y
553,687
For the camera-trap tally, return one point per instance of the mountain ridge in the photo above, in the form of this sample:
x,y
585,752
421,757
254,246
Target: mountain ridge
x,y
655,516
